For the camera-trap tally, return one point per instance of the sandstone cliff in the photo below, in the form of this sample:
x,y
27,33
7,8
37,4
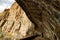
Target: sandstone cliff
x,y
15,25
44,14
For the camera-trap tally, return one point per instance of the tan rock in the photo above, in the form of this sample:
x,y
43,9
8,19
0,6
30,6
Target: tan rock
x,y
16,24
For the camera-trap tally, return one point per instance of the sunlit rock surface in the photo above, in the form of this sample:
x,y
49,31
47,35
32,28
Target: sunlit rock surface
x,y
15,24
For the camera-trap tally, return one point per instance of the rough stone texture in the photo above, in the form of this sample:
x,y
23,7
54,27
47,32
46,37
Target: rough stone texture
x,y
38,23
16,25
45,15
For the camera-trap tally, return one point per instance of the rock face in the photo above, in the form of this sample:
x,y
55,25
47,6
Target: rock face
x,y
16,25
44,14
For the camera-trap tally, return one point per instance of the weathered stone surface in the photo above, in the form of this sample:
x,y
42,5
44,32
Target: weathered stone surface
x,y
43,14
16,25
